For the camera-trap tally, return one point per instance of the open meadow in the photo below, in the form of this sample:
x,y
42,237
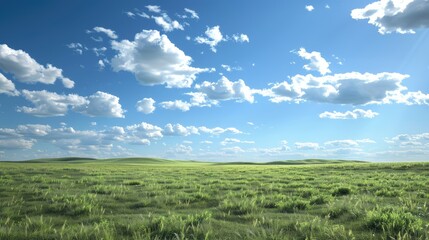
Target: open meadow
x,y
160,199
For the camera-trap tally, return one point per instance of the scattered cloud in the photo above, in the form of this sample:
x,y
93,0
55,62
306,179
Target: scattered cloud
x,y
146,105
213,37
240,38
395,15
154,60
228,68
317,62
224,89
179,130
167,23
192,13
309,8
77,47
347,143
233,150
307,146
153,8
346,88
7,87
227,141
176,105
110,33
355,114
49,104
101,104
25,69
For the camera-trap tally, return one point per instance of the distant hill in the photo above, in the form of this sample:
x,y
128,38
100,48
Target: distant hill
x,y
107,160
295,162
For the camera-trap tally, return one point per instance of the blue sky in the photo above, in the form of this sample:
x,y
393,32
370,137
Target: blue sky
x,y
215,80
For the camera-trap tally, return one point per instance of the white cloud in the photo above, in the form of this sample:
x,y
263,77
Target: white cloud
x,y
77,47
233,150
224,89
240,38
153,8
101,104
409,98
110,33
401,16
309,8
25,69
145,130
355,114
227,141
146,105
154,60
181,149
8,144
317,62
167,23
230,69
410,141
33,130
93,123
48,104
307,146
7,86
179,130
130,14
176,105
206,142
99,51
218,130
213,37
347,143
192,13
346,88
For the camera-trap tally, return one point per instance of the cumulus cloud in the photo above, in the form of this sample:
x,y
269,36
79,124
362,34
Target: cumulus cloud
x,y
167,23
355,114
179,130
146,105
154,59
212,38
347,88
101,104
8,144
25,69
176,105
401,16
411,141
110,33
224,89
145,130
309,8
317,62
219,130
49,104
7,87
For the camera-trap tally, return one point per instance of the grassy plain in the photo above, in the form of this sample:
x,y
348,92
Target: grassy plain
x,y
76,198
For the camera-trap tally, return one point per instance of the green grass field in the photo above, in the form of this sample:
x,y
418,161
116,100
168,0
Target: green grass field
x,y
74,198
